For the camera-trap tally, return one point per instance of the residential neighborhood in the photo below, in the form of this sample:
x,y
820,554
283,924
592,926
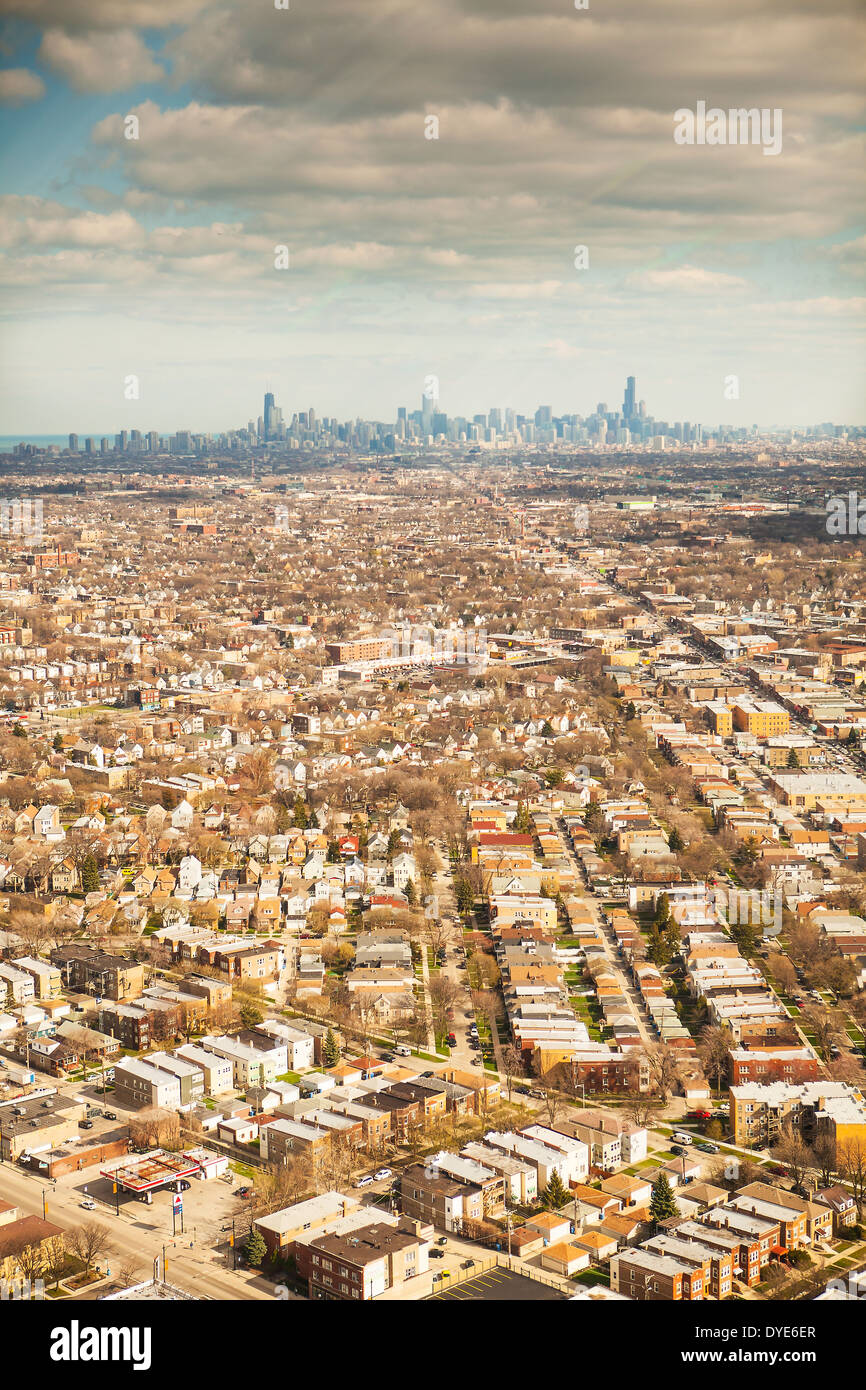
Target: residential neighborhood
x,y
438,903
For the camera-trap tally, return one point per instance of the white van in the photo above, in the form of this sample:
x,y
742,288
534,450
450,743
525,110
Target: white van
x,y
402,1050
680,1138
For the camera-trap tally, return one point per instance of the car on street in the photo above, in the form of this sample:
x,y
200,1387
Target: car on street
x,y
182,1185
677,1149
243,1192
437,1254
382,1173
708,1148
441,1240
452,1039
364,1182
110,1115
88,1204
85,1124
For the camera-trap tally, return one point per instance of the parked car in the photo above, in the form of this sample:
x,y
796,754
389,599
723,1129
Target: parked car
x,y
182,1185
682,1138
243,1192
382,1173
110,1115
436,1254
88,1204
452,1039
441,1240
364,1182
677,1149
708,1148
85,1124
467,1264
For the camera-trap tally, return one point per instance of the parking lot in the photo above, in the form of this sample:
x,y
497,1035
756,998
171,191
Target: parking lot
x,y
500,1286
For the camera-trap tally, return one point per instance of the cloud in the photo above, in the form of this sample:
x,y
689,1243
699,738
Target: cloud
x,y
546,289
691,278
306,128
100,62
105,14
20,85
33,222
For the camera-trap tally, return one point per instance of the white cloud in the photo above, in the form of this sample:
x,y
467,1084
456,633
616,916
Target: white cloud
x,y
692,278
20,85
108,61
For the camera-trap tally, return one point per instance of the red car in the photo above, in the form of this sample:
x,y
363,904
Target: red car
x,y
452,1039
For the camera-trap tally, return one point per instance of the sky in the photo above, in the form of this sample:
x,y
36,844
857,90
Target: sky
x,y
430,169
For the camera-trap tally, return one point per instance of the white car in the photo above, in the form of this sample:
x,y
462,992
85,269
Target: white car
x,y
88,1204
382,1174
364,1182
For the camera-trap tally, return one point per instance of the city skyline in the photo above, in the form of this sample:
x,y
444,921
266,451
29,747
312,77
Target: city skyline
x,y
204,197
630,425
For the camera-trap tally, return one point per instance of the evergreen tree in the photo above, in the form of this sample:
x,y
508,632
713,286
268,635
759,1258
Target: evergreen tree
x,y
300,819
659,951
90,875
676,841
19,731
663,1204
330,1050
251,1016
465,895
521,824
255,1248
547,730
556,1194
793,760
411,893
58,742
663,911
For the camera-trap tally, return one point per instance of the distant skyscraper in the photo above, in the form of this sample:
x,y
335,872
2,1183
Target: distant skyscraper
x,y
269,410
73,443
628,403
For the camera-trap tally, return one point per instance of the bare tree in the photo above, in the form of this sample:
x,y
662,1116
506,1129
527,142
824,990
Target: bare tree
x,y
851,1163
714,1050
824,1158
553,1102
512,1065
792,1150
89,1242
828,1025
444,994
55,1258
664,1069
